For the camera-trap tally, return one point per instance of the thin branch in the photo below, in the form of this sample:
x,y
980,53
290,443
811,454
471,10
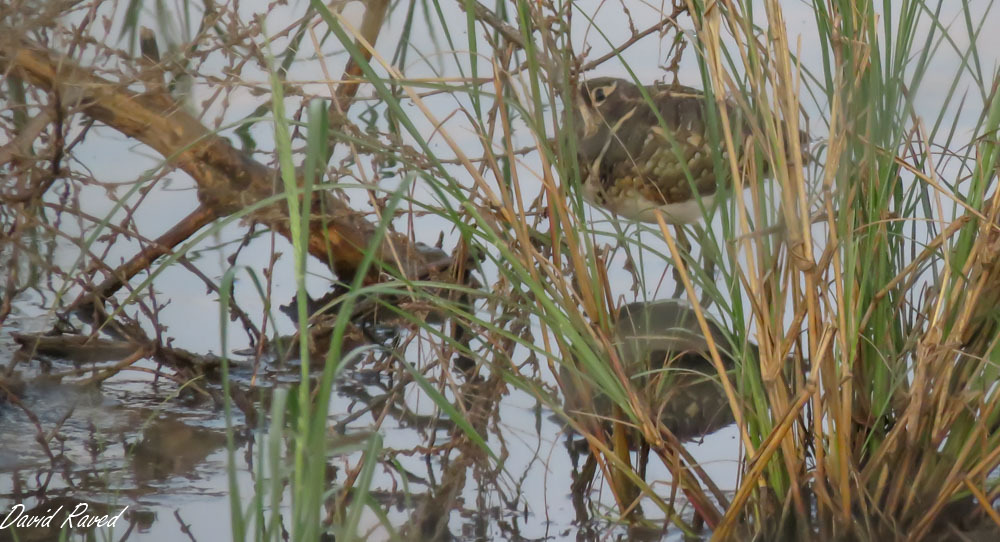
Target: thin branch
x,y
228,180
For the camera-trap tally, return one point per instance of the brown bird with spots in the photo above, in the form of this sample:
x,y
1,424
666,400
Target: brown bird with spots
x,y
631,166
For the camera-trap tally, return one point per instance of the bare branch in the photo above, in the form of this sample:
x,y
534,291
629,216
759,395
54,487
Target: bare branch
x,y
228,179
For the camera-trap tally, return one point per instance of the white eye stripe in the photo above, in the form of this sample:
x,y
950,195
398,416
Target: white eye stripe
x,y
599,94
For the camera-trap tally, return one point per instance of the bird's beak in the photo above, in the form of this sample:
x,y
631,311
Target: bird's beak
x,y
584,115
587,117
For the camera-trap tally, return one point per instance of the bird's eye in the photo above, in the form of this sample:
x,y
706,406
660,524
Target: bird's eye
x,y
599,96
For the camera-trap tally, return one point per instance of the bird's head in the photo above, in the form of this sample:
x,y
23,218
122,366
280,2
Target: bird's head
x,y
597,103
603,113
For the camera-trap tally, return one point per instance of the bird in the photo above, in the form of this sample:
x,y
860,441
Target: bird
x,y
632,166
663,341
666,355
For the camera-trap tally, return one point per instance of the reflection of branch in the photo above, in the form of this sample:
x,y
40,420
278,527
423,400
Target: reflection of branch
x,y
228,180
92,350
82,349
42,436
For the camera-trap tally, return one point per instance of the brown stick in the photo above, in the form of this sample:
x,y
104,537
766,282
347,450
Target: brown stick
x,y
371,24
163,245
227,179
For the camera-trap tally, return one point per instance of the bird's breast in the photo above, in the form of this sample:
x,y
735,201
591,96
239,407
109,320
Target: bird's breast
x,y
633,204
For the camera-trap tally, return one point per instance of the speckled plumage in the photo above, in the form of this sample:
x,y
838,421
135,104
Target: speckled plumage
x,y
628,162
